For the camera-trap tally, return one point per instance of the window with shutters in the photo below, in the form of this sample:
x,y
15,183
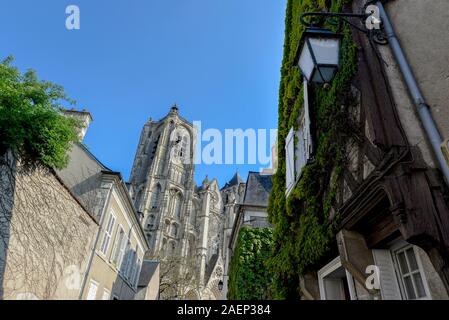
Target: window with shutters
x,y
92,293
401,274
108,233
389,287
298,146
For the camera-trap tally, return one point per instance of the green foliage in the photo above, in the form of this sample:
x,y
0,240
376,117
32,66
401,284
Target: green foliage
x,y
303,232
249,278
31,124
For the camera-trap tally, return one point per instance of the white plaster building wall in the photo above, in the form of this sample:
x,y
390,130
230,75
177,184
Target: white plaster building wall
x,y
422,29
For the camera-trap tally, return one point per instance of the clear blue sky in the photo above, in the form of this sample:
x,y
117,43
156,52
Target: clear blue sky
x,y
219,60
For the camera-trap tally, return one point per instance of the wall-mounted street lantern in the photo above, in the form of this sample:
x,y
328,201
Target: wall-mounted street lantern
x,y
318,55
220,285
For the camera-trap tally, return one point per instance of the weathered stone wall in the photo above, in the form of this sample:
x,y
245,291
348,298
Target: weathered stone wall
x,y
421,27
46,236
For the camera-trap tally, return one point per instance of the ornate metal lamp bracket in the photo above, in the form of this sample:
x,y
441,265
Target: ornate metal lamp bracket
x,y
369,21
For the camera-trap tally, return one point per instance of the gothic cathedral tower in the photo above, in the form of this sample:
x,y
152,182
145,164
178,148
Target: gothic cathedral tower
x,y
180,219
161,181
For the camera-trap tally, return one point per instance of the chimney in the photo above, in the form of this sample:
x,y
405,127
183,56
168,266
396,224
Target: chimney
x,y
84,116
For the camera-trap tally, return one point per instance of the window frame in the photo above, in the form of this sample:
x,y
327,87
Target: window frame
x,y
106,292
328,269
97,285
403,247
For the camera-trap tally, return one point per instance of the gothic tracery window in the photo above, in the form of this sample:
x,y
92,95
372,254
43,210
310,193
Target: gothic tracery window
x,y
181,145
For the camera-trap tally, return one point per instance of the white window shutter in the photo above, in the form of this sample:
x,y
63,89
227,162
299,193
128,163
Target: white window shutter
x,y
306,127
301,156
389,287
138,268
92,293
290,160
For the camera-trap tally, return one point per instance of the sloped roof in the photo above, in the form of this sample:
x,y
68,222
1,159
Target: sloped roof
x,y
149,267
258,188
211,266
235,180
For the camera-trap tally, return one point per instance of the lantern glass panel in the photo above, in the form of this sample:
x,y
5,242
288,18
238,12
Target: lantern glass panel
x,y
326,50
324,74
306,63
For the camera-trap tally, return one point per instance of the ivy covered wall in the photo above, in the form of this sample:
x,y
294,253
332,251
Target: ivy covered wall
x,y
249,278
304,233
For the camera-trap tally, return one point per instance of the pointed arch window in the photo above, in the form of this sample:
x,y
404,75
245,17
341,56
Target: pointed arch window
x,y
151,220
138,198
193,215
174,230
164,246
172,248
176,204
156,196
181,145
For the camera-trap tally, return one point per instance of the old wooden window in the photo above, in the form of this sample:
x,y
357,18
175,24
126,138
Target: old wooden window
x,y
401,273
411,273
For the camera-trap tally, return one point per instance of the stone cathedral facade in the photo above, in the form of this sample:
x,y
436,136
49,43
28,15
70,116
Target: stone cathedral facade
x,y
184,222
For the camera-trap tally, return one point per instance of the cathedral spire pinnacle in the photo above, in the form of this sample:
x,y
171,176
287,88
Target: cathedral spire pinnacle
x,y
174,108
205,182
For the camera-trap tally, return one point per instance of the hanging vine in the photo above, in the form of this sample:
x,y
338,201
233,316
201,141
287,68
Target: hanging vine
x,y
249,278
303,232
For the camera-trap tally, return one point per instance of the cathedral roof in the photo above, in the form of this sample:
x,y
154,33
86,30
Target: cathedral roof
x,y
235,180
258,188
174,110
147,272
211,266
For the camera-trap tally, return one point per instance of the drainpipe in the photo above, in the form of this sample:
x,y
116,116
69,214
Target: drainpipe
x,y
422,107
92,254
